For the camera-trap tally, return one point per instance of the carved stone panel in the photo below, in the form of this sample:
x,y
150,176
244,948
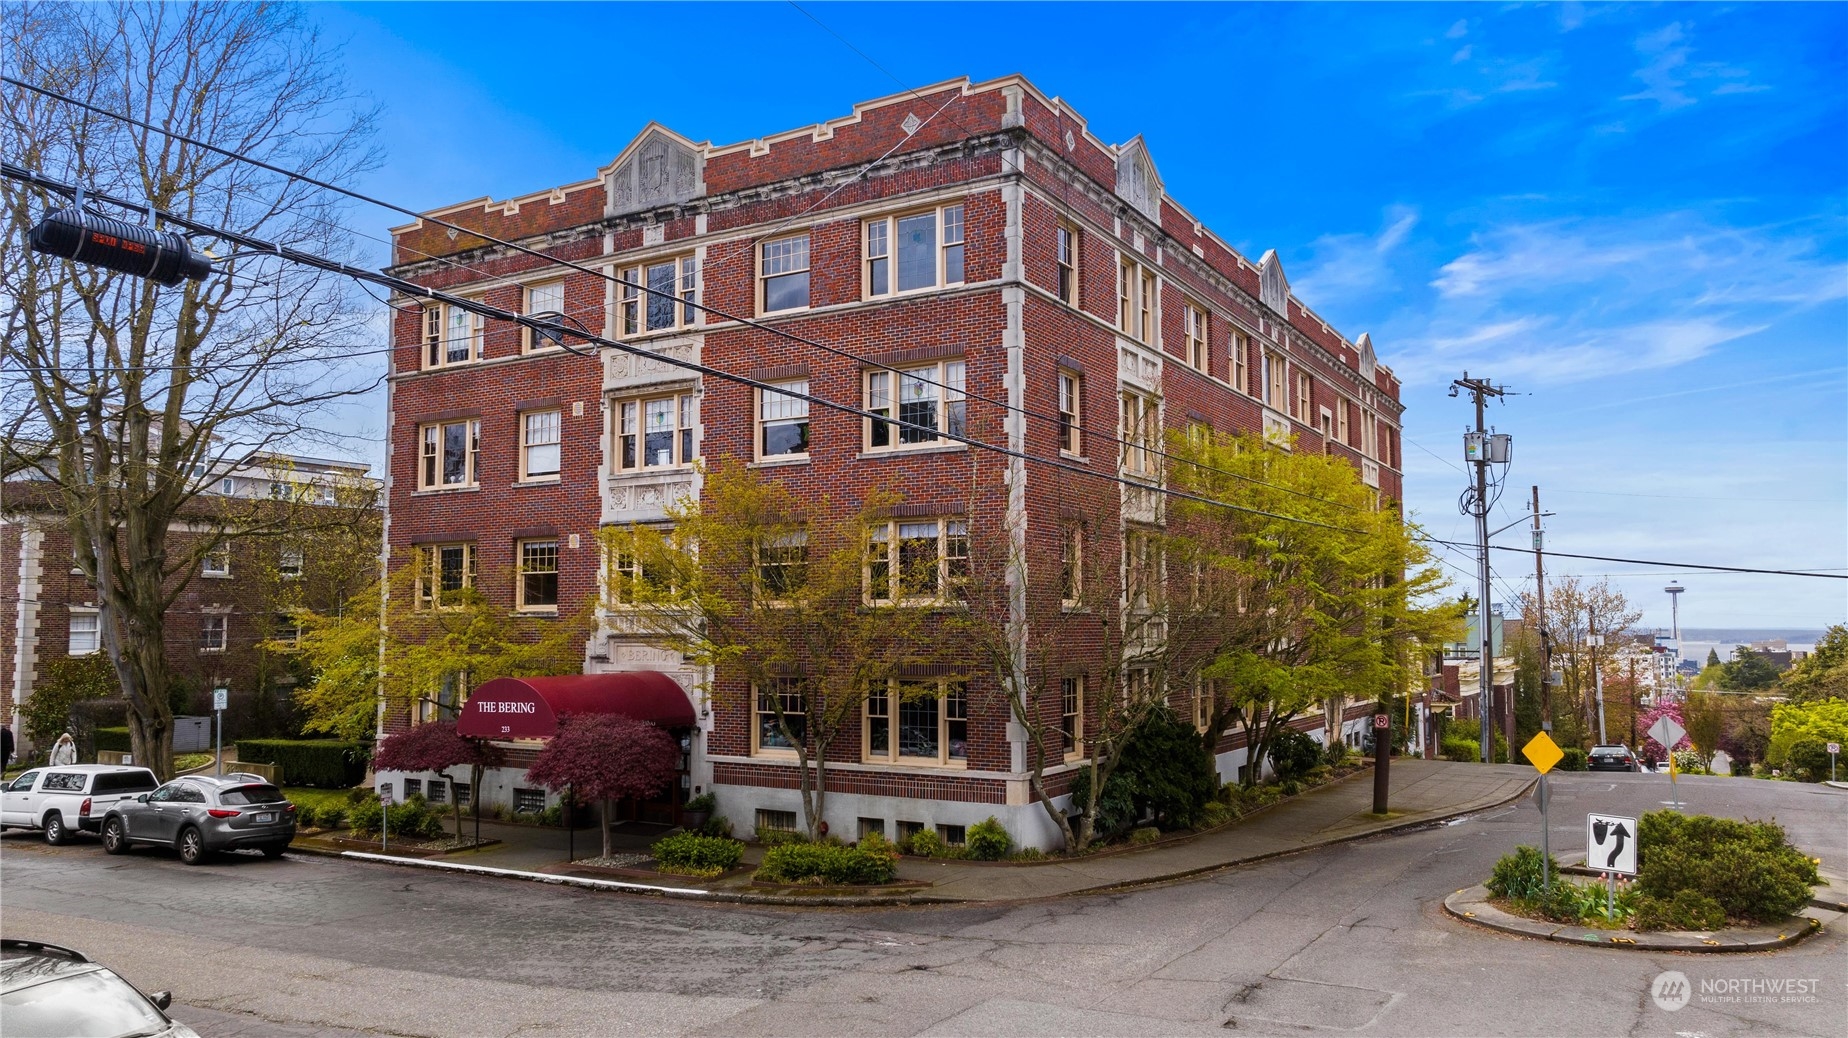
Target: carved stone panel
x,y
660,171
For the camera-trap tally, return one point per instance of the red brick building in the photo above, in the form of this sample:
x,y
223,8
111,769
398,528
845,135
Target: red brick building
x,y
225,628
980,261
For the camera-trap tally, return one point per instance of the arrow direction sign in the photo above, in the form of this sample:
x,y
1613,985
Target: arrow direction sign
x,y
1610,844
1667,733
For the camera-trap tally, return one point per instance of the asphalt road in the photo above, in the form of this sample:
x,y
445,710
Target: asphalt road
x,y
1349,939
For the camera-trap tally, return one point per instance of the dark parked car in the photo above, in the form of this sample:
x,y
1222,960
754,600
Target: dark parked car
x,y
52,992
200,814
1612,758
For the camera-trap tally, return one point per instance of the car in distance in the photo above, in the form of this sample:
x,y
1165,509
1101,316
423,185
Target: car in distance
x,y
50,992
1612,758
199,815
66,798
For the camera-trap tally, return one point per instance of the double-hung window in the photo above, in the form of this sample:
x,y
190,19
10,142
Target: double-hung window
x,y
917,561
1305,397
449,451
782,565
443,569
927,402
1142,565
1369,434
547,297
1136,291
1197,337
1071,716
783,273
217,561
1341,421
1140,427
781,716
917,722
86,633
538,585
1274,392
658,296
914,251
1071,567
451,335
1241,362
213,633
655,432
286,631
289,562
539,443
1068,265
1071,412
783,421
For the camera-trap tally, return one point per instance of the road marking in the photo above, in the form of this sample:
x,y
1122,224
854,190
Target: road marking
x,y
542,877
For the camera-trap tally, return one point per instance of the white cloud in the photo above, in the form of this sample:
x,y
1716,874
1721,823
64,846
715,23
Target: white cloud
x,y
1351,264
1569,301
1462,55
1458,30
1671,80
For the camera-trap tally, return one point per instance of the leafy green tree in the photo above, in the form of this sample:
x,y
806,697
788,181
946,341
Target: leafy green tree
x,y
66,684
1706,723
1748,671
769,592
1823,674
1822,721
1321,594
384,645
1713,657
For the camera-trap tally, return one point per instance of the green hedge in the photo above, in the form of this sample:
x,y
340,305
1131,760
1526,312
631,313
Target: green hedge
x,y
691,852
1573,759
823,863
114,740
1462,750
321,763
411,819
1748,868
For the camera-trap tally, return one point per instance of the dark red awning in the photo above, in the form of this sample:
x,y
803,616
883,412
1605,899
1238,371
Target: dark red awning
x,y
529,708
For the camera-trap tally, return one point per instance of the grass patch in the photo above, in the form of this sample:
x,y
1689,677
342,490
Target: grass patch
x,y
318,799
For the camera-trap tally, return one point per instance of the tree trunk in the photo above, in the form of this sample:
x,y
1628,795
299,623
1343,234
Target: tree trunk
x,y
606,807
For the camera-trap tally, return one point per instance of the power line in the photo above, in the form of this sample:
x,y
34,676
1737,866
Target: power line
x,y
548,325
1675,566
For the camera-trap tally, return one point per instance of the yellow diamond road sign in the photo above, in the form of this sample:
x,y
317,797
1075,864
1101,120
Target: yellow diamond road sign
x,y
1542,752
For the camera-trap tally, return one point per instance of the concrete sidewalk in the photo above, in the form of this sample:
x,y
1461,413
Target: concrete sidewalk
x,y
1423,792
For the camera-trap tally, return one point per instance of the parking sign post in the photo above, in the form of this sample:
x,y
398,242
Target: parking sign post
x,y
1382,754
1834,748
385,816
221,698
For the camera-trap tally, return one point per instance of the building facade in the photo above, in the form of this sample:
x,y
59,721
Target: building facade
x,y
969,259
226,627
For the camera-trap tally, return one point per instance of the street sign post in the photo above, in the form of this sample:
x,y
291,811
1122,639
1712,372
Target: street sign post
x,y
1382,755
385,816
1610,847
1666,732
1543,753
1834,748
221,698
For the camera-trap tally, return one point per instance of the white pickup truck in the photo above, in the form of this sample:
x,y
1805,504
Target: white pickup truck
x,y
63,799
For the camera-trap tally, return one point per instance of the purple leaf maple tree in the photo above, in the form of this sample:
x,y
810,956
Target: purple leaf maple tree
x,y
437,746
605,757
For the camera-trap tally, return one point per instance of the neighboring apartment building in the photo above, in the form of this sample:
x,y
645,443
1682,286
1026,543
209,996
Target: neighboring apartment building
x,y
975,237
219,628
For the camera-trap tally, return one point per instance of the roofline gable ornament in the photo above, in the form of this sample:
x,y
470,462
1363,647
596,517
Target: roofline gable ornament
x,y
1273,287
1138,182
659,167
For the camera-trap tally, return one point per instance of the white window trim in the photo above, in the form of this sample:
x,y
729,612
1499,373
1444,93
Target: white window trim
x,y
1060,267
809,269
632,300
1241,362
684,407
428,593
220,553
1199,336
1075,427
530,341
96,635
940,254
1077,716
224,632
757,715
283,558
526,446
759,422
892,699
435,340
947,581
1140,433
936,375
519,577
472,452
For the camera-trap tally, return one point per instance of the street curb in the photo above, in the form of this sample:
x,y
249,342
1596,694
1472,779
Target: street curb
x,y
919,899
1472,906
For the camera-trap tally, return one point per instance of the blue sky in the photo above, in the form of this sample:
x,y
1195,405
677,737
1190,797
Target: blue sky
x,y
1632,215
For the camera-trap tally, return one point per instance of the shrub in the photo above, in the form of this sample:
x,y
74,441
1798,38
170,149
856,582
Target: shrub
x,y
1143,836
778,837
988,840
1216,813
1116,808
1335,754
1807,761
1292,754
1167,770
697,855
1687,910
707,802
875,842
925,843
1462,750
1748,868
1688,762
411,820
114,740
822,863
1574,759
331,817
1519,875
321,763
305,818
1564,903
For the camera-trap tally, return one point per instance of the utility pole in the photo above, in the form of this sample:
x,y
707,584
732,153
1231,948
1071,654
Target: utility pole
x,y
1481,450
1596,641
1546,641
1633,702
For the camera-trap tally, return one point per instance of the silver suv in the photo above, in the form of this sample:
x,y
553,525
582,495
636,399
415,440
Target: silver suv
x,y
201,814
48,991
64,799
